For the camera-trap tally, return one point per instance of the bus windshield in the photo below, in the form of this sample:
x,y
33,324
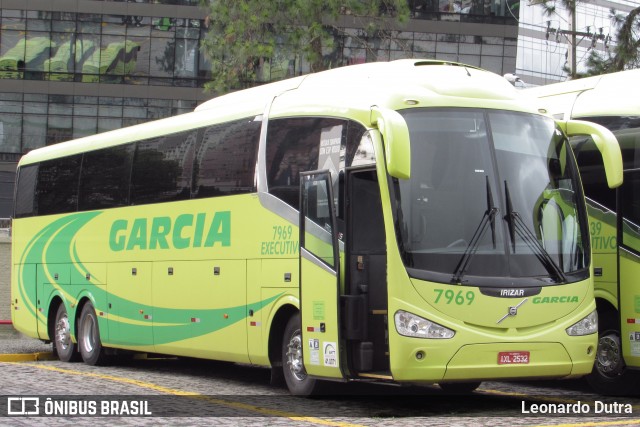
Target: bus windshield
x,y
627,131
599,195
493,200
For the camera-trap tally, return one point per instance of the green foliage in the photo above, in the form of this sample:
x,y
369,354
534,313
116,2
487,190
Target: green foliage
x,y
626,53
250,41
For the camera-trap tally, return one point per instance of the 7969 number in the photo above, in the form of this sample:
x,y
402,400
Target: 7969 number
x,y
449,296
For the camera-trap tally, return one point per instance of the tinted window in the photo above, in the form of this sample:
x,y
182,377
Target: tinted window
x,y
105,178
25,195
615,123
298,145
162,168
627,131
226,159
631,210
57,189
592,172
359,150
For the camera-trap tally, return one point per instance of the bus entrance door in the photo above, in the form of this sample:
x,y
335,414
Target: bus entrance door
x,y
319,276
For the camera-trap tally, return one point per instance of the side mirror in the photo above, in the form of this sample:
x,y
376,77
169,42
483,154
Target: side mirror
x,y
606,143
397,145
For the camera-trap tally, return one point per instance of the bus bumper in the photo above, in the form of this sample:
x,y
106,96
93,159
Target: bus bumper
x,y
481,362
545,360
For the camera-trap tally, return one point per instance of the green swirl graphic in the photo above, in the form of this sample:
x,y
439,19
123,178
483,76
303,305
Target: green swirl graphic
x,y
55,244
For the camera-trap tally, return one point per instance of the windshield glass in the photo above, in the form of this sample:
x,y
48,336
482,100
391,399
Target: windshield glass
x,y
493,197
627,131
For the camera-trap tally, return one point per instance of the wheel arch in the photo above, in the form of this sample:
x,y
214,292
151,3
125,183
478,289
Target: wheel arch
x,y
83,299
606,310
276,332
606,299
55,302
73,311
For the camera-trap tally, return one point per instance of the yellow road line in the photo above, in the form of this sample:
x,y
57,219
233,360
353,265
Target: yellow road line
x,y
634,408
293,416
624,422
527,396
194,395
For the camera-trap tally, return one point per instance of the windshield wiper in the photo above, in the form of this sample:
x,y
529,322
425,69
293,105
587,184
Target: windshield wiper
x,y
517,225
487,218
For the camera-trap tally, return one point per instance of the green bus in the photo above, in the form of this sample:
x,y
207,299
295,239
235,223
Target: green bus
x,y
62,65
111,63
412,221
613,101
28,55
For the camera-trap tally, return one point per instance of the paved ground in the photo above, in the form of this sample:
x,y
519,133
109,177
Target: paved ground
x,y
223,394
13,342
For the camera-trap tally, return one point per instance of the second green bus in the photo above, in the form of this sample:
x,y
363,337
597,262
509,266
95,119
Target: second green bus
x,y
613,101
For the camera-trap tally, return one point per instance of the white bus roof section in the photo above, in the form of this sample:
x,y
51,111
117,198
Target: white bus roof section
x,y
380,83
348,92
606,95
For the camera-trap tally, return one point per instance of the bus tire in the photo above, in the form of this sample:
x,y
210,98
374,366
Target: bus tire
x,y
89,342
63,346
460,388
610,375
295,375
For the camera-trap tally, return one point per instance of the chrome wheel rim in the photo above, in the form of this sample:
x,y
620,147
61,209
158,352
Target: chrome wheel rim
x,y
294,357
63,335
609,360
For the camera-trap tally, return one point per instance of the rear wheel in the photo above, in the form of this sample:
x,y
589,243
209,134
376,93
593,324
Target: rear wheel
x,y
63,346
610,375
295,375
89,342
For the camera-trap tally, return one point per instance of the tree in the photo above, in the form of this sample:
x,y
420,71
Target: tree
x,y
626,52
251,41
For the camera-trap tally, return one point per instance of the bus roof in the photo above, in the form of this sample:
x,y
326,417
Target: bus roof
x,y
605,95
348,91
375,80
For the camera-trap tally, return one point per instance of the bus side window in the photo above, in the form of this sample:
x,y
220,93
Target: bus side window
x,y
162,168
592,172
25,193
57,188
302,144
226,159
631,210
104,181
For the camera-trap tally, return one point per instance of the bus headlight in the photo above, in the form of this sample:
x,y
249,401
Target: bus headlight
x,y
587,326
410,325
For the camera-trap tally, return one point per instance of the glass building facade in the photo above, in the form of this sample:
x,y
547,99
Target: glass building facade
x,y
71,68
543,42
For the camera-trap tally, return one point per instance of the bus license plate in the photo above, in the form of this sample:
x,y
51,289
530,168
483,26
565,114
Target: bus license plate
x,y
513,358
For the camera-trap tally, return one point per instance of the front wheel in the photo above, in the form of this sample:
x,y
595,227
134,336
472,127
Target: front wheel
x,y
295,375
89,337
62,343
610,375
